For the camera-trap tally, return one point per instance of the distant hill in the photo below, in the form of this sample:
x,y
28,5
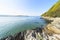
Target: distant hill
x,y
13,16
54,11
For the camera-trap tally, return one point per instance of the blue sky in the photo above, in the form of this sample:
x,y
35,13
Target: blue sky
x,y
25,7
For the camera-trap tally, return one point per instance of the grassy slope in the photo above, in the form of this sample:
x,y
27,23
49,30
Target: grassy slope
x,y
54,11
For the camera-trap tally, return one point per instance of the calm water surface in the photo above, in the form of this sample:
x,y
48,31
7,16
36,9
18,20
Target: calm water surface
x,y
13,25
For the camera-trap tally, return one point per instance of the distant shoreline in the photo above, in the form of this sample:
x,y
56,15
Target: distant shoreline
x,y
13,15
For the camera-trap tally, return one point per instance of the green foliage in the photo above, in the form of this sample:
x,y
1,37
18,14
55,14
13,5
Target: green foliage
x,y
54,11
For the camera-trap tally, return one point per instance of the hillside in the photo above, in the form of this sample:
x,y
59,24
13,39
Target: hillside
x,y
54,11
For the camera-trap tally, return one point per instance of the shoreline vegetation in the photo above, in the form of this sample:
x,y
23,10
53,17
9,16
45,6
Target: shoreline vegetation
x,y
52,16
50,32
54,11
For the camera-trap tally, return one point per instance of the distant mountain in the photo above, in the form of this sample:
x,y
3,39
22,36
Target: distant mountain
x,y
54,11
13,15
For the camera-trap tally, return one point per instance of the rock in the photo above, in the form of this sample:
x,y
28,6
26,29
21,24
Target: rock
x,y
8,38
50,32
33,34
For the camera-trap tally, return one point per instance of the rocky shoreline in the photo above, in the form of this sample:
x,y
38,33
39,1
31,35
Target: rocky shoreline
x,y
34,34
53,29
50,32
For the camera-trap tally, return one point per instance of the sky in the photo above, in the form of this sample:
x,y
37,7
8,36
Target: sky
x,y
25,7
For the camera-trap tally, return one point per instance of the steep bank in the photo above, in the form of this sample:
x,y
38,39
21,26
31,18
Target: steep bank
x,y
54,11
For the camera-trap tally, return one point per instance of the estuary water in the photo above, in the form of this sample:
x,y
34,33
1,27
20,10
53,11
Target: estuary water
x,y
14,25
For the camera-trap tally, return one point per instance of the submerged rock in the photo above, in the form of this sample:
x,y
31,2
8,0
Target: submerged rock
x,y
34,34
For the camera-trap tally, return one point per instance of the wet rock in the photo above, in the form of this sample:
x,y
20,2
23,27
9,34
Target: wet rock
x,y
20,36
8,38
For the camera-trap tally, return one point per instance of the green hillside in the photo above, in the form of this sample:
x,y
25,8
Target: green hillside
x,y
54,11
